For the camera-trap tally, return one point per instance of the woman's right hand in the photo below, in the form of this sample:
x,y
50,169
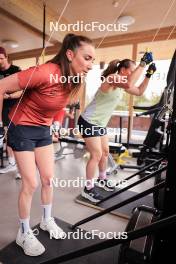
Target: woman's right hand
x,y
147,58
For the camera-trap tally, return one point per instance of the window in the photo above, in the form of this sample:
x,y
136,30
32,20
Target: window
x,y
25,63
156,85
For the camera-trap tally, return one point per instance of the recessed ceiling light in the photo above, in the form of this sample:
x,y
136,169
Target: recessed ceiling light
x,y
115,3
127,20
10,43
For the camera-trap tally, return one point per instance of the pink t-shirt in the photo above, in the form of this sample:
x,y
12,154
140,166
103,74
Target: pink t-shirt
x,y
43,98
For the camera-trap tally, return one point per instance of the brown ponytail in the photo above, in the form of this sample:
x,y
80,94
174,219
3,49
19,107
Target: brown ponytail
x,y
115,66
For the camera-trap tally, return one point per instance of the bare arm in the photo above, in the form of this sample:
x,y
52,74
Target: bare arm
x,y
125,82
115,81
8,85
128,83
139,90
134,77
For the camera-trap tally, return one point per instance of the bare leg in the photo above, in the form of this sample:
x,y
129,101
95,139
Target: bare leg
x,y
105,151
45,163
27,168
94,146
25,237
10,152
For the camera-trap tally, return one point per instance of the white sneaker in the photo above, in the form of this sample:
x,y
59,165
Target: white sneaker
x,y
30,244
54,230
17,176
9,168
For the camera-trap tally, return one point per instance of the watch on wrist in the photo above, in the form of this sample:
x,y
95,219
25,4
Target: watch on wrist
x,y
142,63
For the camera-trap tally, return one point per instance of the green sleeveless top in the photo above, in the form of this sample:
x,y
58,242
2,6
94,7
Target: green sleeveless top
x,y
100,109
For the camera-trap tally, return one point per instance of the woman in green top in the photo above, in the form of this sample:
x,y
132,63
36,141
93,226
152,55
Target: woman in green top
x,y
93,121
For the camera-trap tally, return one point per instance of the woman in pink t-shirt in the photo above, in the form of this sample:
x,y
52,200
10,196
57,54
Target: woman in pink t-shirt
x,y
47,89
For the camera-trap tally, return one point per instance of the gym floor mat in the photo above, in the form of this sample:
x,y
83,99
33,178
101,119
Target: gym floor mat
x,y
125,211
13,254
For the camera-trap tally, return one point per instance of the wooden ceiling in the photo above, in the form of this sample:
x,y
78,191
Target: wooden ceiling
x,y
22,21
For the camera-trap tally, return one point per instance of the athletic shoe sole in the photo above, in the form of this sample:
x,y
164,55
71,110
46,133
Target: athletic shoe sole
x,y
26,253
105,187
88,197
6,171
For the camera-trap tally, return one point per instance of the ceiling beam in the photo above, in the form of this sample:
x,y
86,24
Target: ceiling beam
x,y
34,53
137,37
29,27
